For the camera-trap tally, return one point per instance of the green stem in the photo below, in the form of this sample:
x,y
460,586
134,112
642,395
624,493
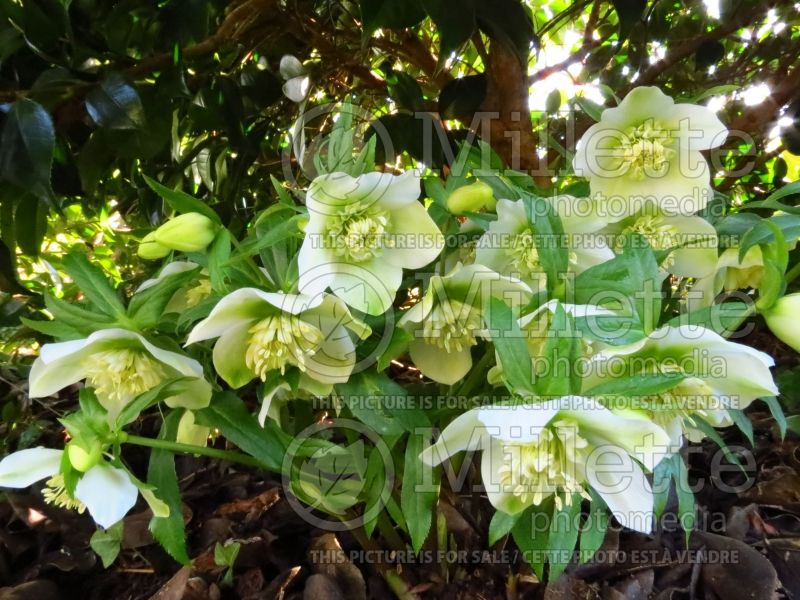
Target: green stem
x,y
177,447
793,273
477,375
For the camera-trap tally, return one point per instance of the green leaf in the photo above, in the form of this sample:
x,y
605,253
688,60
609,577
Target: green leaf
x,y
76,317
773,200
531,537
594,529
27,144
629,283
455,20
390,14
169,531
106,543
548,235
563,536
637,385
777,413
94,284
629,13
181,201
509,342
417,505
686,504
562,346
508,22
30,224
115,104
147,307
744,424
219,253
591,108
366,392
723,318
229,414
500,526
151,397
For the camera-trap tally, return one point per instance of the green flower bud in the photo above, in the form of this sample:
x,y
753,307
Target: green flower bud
x,y
190,232
782,319
471,198
81,459
150,249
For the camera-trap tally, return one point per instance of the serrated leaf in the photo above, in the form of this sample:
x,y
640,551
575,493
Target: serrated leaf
x,y
229,414
94,284
107,543
418,505
181,201
169,531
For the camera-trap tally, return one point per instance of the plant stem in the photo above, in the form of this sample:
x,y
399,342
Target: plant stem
x,y
792,273
177,447
476,376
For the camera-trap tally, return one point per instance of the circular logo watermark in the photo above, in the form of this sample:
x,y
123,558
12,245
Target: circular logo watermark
x,y
324,481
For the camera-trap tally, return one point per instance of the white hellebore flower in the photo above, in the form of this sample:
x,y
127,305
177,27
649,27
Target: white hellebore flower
x,y
448,319
693,240
262,332
184,298
509,246
107,492
119,365
362,232
729,275
783,319
719,375
647,150
559,447
294,74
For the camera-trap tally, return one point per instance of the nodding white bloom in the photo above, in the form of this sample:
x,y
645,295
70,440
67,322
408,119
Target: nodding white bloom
x,y
119,365
448,319
509,246
719,375
560,447
186,297
294,74
693,240
783,319
647,151
536,326
362,232
262,332
106,491
729,274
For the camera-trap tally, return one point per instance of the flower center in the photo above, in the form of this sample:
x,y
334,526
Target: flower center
x,y
198,293
645,149
739,278
549,465
359,235
524,255
55,493
452,325
659,235
280,341
690,397
119,375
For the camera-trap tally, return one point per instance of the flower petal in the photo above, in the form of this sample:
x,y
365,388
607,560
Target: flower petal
x,y
416,239
622,484
25,467
700,127
108,493
334,361
521,423
465,433
437,364
697,254
246,304
229,356
494,458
